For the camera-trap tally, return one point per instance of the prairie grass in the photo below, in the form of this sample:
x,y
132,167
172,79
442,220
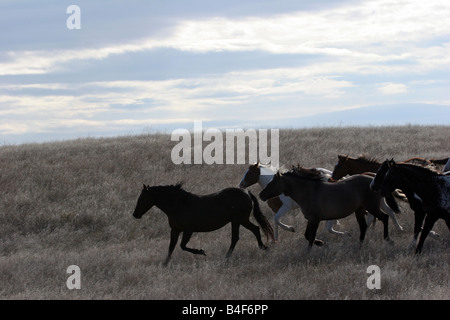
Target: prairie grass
x,y
66,203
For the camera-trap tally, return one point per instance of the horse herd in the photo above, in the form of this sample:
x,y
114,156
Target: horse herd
x,y
319,193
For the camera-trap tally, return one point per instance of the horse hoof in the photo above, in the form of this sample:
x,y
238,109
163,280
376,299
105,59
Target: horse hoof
x,y
202,252
319,243
291,229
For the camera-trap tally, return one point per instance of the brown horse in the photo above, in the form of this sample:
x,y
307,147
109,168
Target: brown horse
x,y
320,200
189,213
263,174
348,165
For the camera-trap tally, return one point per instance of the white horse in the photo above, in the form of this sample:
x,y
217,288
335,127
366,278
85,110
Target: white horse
x,y
263,174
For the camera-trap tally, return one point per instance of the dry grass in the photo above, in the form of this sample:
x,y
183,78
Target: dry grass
x,y
71,202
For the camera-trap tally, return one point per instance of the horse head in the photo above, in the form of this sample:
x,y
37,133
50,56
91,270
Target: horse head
x,y
383,182
340,169
251,176
273,189
145,202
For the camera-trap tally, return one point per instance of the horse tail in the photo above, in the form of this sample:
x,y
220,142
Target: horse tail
x,y
260,218
392,203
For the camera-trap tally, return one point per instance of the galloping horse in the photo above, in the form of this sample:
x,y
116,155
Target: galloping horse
x,y
428,188
263,174
189,213
320,200
348,165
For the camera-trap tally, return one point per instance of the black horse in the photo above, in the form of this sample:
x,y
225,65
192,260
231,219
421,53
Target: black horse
x,y
428,193
189,213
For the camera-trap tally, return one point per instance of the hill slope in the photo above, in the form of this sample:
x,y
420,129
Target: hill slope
x,y
70,203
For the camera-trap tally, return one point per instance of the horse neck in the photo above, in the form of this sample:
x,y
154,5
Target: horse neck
x,y
290,186
266,175
356,166
169,199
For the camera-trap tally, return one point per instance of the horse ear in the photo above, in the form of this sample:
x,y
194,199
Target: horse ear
x,y
144,187
391,162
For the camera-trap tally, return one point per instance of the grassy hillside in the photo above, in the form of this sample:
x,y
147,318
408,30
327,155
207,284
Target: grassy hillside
x,y
71,203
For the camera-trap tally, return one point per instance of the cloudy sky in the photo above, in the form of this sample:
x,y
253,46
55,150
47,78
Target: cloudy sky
x,y
138,66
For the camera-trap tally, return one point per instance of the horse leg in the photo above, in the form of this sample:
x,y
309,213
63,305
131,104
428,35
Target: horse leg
x,y
281,212
255,229
370,220
173,242
275,230
234,237
386,209
429,223
360,217
329,226
419,216
375,210
385,219
310,234
184,240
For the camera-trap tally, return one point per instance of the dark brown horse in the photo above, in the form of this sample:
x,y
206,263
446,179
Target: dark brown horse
x,y
189,213
320,200
263,174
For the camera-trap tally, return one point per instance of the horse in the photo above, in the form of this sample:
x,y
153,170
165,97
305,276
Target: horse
x,y
320,200
414,201
348,165
189,213
425,188
263,174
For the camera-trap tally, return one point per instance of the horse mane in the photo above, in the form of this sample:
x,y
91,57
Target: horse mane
x,y
420,169
304,173
178,185
366,159
176,189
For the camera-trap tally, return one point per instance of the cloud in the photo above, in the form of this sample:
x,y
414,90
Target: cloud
x,y
41,62
352,31
136,102
392,88
272,66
